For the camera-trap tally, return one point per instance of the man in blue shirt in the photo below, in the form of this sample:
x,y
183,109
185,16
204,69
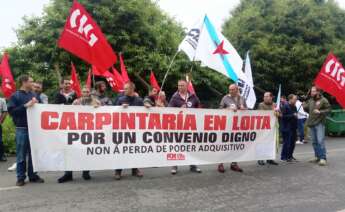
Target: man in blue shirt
x,y
17,105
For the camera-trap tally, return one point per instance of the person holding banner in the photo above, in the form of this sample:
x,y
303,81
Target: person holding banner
x,y
65,96
85,99
232,101
184,99
21,100
317,107
155,98
267,104
101,87
3,114
289,128
150,100
129,98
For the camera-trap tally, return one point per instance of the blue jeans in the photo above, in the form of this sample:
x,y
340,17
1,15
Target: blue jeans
x,y
300,125
286,145
23,150
317,133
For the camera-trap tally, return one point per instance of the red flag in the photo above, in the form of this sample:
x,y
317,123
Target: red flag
x,y
331,78
8,85
83,38
123,70
88,80
115,84
118,79
97,72
190,86
75,82
153,81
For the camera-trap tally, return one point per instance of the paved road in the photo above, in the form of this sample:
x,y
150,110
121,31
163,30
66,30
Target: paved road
x,y
288,187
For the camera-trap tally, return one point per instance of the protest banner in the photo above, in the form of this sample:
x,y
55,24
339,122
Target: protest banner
x,y
69,137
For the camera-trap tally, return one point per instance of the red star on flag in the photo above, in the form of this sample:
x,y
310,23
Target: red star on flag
x,y
220,49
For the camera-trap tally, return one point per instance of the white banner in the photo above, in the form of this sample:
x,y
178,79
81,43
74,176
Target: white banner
x,y
78,138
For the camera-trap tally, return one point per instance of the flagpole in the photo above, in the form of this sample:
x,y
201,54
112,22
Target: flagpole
x,y
169,67
93,80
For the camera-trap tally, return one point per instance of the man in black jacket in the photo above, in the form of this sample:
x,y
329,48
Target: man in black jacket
x,y
66,96
17,105
289,128
129,98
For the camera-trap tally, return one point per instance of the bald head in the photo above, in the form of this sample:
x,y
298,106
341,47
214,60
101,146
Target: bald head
x,y
233,90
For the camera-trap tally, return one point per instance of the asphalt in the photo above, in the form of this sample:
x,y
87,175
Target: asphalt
x,y
299,187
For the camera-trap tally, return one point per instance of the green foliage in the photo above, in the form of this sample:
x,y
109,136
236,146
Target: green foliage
x,y
8,136
146,36
288,39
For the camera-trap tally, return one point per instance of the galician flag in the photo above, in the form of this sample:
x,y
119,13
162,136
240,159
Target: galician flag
x,y
278,97
247,88
206,44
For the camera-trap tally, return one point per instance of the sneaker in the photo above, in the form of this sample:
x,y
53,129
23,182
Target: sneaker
x,y
299,142
235,168
221,168
314,160
322,162
137,173
289,160
3,159
12,168
86,176
261,162
272,162
195,169
20,183
65,178
37,179
173,170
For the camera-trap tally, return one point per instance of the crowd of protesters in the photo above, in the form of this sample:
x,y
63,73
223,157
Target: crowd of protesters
x,y
292,113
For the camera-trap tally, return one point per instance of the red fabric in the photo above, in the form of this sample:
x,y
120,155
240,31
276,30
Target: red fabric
x,y
83,38
118,79
331,79
191,88
115,83
123,70
153,81
8,85
88,80
75,84
97,72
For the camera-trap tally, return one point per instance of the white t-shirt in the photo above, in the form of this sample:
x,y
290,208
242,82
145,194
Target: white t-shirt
x,y
301,114
3,105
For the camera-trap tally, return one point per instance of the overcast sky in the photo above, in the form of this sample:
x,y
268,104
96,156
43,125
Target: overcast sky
x,y
184,11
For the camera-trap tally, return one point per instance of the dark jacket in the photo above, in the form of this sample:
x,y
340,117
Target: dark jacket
x,y
289,120
16,107
62,99
321,104
130,100
191,102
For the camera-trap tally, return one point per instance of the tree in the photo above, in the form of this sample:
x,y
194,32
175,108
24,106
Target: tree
x,y
288,40
146,37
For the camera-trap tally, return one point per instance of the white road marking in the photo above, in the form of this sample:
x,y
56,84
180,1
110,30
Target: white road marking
x,y
328,151
9,188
